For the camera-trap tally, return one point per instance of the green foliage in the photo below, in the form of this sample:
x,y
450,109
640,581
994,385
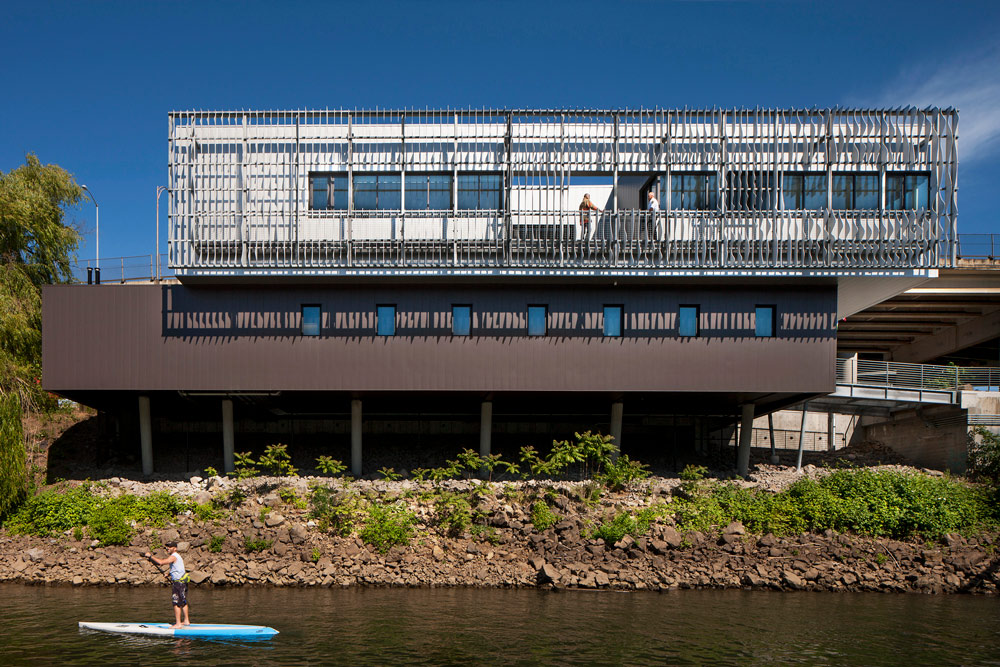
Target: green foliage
x,y
387,526
245,466
984,455
330,466
453,513
13,474
78,533
623,473
252,545
233,499
276,461
389,474
215,544
211,472
881,558
336,511
543,518
264,513
289,497
626,523
36,248
485,533
876,503
108,519
315,555
205,511
693,473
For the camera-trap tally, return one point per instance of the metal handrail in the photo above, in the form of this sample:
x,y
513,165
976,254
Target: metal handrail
x,y
119,270
916,376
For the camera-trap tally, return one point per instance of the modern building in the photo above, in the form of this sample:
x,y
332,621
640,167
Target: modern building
x,y
389,272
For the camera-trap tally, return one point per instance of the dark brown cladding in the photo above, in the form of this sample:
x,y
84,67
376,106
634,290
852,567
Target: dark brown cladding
x,y
210,338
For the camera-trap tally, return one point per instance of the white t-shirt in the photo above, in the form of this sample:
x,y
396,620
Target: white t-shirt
x,y
176,567
654,204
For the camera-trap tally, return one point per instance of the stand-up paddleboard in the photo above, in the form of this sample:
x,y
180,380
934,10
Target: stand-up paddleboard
x,y
193,630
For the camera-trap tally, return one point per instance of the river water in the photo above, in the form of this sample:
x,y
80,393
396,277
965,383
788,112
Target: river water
x,y
38,625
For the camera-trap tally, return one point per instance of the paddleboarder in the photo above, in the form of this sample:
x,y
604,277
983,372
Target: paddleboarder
x,y
178,583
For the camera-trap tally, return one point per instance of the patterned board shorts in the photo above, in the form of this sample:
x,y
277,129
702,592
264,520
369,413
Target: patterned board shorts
x,y
180,593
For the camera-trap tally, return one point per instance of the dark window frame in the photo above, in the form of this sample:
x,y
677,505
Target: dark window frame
x,y
462,192
545,319
426,187
461,305
774,320
697,320
302,319
330,188
711,194
379,190
801,194
621,320
853,190
904,191
378,319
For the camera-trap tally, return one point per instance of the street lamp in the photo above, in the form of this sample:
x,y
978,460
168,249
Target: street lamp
x,y
160,189
97,232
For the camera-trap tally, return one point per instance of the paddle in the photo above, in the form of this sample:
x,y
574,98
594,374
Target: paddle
x,y
149,557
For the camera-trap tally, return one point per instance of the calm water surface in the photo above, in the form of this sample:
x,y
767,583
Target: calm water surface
x,y
459,627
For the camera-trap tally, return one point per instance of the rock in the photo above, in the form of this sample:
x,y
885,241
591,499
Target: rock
x,y
170,535
601,579
202,498
735,528
752,579
625,543
35,555
767,541
198,576
792,580
78,580
94,544
953,540
849,579
273,520
183,546
811,574
219,577
437,553
298,533
280,548
658,547
548,574
271,500
195,481
672,537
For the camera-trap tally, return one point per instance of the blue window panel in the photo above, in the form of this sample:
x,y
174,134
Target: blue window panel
x,y
693,192
764,322
536,320
365,192
319,189
612,320
843,192
311,318
687,321
461,320
906,192
866,191
389,196
385,320
478,192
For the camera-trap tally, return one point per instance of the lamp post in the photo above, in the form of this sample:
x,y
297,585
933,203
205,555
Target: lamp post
x,y
97,233
160,189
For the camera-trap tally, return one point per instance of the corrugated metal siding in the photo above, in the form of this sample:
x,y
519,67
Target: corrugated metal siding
x,y
147,338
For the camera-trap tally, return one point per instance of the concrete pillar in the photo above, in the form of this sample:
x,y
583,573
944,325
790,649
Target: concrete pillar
x,y
770,430
485,427
228,465
146,435
802,437
617,411
746,436
356,437
831,431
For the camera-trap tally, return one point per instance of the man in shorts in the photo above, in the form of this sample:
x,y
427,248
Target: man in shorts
x,y
178,583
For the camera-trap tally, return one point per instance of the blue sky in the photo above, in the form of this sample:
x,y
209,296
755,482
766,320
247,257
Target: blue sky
x,y
88,85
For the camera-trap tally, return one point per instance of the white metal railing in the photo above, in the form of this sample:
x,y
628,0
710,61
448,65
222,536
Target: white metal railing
x,y
916,376
133,268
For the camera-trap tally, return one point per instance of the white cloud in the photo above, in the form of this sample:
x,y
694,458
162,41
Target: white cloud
x,y
971,84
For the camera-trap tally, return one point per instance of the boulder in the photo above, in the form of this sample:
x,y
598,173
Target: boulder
x,y
625,543
183,546
672,537
792,580
548,574
219,577
601,579
734,528
273,520
198,576
195,481
767,541
298,533
35,555
202,498
437,553
170,535
271,500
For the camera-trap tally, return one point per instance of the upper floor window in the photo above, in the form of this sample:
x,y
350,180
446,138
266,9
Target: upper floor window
x,y
803,192
855,192
613,321
536,320
479,192
428,192
311,318
687,321
750,190
461,320
764,321
694,192
377,192
327,192
385,320
906,192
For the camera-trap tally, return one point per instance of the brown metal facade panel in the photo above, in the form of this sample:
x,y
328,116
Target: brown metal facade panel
x,y
149,338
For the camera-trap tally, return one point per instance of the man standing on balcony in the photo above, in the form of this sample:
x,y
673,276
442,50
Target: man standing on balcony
x,y
586,206
653,205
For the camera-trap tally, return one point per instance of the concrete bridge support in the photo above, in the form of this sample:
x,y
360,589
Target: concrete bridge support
x,y
146,435
356,437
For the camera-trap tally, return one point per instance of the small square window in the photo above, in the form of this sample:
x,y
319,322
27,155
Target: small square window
x,y
461,320
385,320
311,318
687,321
764,322
536,320
612,321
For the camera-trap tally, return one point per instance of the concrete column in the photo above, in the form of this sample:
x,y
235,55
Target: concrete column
x,y
802,437
228,465
831,431
146,435
485,427
356,437
770,430
746,436
617,411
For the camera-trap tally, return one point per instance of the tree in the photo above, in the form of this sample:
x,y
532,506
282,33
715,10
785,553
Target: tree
x,y
37,248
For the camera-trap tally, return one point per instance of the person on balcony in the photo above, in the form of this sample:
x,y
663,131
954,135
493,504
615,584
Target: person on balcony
x,y
649,222
586,206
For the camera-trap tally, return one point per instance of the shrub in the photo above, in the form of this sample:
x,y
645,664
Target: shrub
x,y
276,461
330,466
389,474
110,523
252,545
205,511
291,498
335,510
244,464
315,555
387,526
211,472
622,473
215,544
13,474
454,514
625,523
543,518
984,455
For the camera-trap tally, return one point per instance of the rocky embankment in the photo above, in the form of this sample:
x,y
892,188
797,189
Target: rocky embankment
x,y
507,550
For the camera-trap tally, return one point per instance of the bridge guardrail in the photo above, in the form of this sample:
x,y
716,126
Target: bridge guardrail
x,y
917,376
